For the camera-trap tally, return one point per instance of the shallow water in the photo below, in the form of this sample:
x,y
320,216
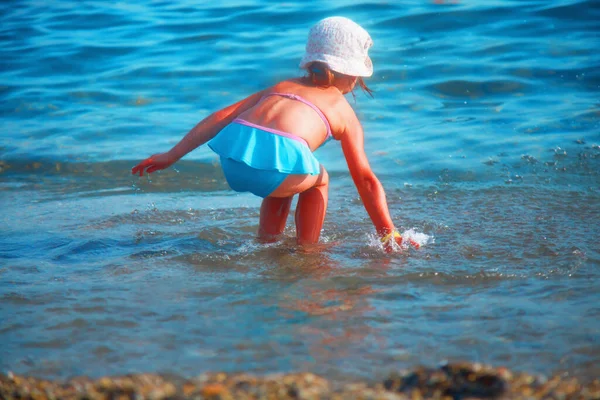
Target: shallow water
x,y
484,130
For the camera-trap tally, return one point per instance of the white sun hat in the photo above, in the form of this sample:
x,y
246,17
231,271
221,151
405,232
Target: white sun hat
x,y
340,43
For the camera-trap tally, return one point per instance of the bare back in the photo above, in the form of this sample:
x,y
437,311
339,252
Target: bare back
x,y
295,117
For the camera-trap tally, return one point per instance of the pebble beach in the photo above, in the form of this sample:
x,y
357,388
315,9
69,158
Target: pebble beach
x,y
484,131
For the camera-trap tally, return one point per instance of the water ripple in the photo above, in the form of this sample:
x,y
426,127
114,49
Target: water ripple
x,y
483,130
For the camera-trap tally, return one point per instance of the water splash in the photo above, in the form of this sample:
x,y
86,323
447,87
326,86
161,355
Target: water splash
x,y
422,239
411,238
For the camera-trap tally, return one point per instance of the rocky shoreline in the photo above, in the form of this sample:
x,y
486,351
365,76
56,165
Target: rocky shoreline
x,y
451,381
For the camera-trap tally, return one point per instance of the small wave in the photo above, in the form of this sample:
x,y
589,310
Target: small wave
x,y
83,21
474,90
588,10
448,19
201,38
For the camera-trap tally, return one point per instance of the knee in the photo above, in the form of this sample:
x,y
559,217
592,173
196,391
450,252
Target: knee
x,y
323,177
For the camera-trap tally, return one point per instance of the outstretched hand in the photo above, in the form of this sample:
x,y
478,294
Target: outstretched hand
x,y
410,242
396,237
153,163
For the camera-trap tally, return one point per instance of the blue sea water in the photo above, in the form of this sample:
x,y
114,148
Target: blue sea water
x,y
484,130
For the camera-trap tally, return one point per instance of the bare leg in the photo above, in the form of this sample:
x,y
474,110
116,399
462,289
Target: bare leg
x,y
273,215
310,212
312,204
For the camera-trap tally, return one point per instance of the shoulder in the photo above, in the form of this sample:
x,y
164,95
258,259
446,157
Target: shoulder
x,y
333,104
286,86
342,118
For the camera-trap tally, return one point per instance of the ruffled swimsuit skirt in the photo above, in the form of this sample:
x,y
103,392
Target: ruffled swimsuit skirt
x,y
257,159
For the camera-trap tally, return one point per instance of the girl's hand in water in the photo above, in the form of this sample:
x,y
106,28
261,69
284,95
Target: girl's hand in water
x,y
153,163
396,237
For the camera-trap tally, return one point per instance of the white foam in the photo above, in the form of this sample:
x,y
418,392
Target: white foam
x,y
420,238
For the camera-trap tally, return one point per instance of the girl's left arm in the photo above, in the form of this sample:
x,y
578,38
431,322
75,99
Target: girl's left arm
x,y
197,136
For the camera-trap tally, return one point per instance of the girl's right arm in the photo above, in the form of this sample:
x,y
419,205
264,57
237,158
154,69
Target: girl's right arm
x,y
200,134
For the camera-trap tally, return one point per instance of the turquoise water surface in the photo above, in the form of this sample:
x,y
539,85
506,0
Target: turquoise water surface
x,y
484,130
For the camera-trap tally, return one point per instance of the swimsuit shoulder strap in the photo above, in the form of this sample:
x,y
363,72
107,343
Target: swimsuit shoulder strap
x,y
308,103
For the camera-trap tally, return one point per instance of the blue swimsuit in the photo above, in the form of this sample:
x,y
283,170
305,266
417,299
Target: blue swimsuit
x,y
257,159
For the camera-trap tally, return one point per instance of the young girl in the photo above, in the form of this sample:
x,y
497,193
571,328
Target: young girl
x,y
266,141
